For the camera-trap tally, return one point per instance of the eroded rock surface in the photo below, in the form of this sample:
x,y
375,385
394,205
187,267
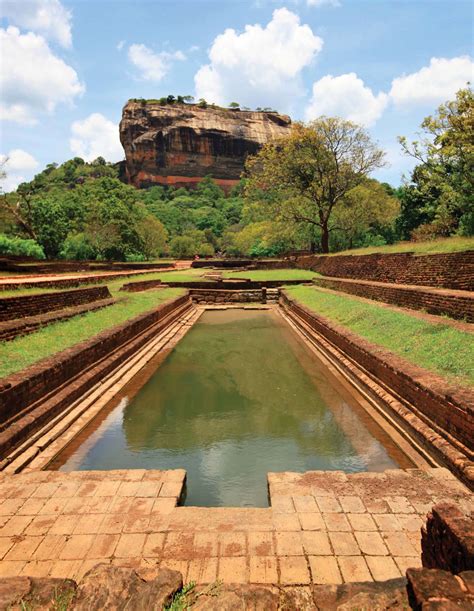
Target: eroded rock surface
x,y
179,144
113,587
22,593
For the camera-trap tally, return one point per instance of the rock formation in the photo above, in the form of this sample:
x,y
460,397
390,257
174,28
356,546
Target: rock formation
x,y
179,144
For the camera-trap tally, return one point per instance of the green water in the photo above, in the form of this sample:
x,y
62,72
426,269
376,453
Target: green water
x,y
239,396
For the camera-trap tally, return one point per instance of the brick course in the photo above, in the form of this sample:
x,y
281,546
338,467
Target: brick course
x,y
12,308
447,409
14,328
33,396
451,270
456,305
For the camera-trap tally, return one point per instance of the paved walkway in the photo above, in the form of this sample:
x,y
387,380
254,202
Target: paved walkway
x,y
322,528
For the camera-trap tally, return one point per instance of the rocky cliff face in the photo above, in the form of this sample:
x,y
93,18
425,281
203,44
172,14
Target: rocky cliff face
x,y
179,144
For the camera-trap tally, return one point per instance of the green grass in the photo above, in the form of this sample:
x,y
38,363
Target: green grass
x,y
272,274
24,351
187,275
437,347
442,245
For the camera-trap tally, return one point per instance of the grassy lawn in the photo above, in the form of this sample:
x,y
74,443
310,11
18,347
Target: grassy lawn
x,y
187,275
437,347
272,274
442,245
24,351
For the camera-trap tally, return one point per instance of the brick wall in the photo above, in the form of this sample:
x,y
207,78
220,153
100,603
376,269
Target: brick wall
x,y
448,409
35,395
447,539
452,270
219,296
455,305
32,305
135,287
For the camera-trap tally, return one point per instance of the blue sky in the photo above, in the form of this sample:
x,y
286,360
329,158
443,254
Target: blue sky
x,y
69,66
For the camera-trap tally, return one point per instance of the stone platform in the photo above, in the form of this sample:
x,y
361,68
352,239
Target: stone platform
x,y
322,527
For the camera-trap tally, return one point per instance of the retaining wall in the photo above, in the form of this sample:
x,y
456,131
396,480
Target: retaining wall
x,y
447,539
35,395
452,270
237,285
455,305
229,296
145,285
32,305
447,409
15,328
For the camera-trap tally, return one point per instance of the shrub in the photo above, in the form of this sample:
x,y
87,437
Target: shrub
x,y
20,247
77,247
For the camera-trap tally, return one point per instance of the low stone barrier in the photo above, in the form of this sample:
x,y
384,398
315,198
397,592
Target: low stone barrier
x,y
450,270
66,283
455,305
12,308
444,409
15,328
38,393
228,296
447,539
145,285
237,285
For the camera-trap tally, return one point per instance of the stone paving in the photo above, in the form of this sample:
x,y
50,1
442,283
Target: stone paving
x,y
322,528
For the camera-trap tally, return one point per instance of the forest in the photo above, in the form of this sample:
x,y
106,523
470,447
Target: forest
x,y
311,192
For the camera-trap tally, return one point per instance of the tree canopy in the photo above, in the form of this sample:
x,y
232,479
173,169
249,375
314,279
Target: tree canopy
x,y
308,174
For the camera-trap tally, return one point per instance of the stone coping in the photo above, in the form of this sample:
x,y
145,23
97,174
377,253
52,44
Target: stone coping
x,y
322,527
439,414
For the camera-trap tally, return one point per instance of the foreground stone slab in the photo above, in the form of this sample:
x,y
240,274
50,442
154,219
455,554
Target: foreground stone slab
x,y
38,594
322,529
111,587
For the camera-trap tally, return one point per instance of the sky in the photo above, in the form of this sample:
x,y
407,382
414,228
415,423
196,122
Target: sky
x,y
67,67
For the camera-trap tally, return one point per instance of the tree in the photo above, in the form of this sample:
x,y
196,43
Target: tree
x,y
309,172
234,105
442,185
364,210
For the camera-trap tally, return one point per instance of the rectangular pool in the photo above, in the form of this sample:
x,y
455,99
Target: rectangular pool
x,y
239,395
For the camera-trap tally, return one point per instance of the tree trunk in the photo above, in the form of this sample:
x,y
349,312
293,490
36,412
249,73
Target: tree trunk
x,y
325,239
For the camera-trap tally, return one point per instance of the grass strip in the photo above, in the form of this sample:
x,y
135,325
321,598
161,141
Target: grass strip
x,y
272,274
436,347
24,351
432,247
188,275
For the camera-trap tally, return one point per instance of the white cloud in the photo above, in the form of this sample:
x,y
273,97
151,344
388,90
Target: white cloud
x,y
260,66
96,136
48,17
120,45
434,83
15,164
32,78
348,97
319,3
152,66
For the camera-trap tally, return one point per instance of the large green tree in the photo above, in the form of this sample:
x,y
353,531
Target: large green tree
x,y
441,190
309,173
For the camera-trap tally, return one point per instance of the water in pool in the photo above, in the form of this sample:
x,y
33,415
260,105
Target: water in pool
x,y
239,396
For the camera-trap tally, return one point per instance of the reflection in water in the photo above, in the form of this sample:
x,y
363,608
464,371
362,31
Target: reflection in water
x,y
239,396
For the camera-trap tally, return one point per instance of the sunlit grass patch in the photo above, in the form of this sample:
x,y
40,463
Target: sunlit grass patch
x,y
437,347
24,351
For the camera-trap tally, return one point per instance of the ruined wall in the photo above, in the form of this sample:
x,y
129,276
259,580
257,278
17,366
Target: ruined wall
x,y
35,395
444,408
456,306
32,305
452,270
